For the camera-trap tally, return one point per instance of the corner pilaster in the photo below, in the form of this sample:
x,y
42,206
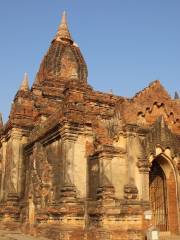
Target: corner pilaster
x,y
106,190
68,191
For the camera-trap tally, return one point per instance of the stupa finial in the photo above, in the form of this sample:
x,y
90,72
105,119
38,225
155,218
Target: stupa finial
x,y
63,33
25,83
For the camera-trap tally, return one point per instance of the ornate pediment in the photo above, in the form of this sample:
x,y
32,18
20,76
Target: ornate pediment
x,y
160,134
150,114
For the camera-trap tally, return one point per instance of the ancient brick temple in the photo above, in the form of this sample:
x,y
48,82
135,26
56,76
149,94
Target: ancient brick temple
x,y
81,164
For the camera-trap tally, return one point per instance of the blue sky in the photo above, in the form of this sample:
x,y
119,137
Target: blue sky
x,y
126,43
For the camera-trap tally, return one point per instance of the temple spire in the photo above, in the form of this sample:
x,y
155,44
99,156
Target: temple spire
x,y
25,83
176,95
63,33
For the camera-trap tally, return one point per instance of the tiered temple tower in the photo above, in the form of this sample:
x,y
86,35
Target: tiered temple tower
x,y
81,164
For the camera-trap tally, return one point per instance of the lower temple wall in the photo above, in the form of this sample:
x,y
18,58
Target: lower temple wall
x,y
132,231
70,222
93,234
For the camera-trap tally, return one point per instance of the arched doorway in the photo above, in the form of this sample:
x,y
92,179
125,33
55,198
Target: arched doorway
x,y
158,197
163,196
